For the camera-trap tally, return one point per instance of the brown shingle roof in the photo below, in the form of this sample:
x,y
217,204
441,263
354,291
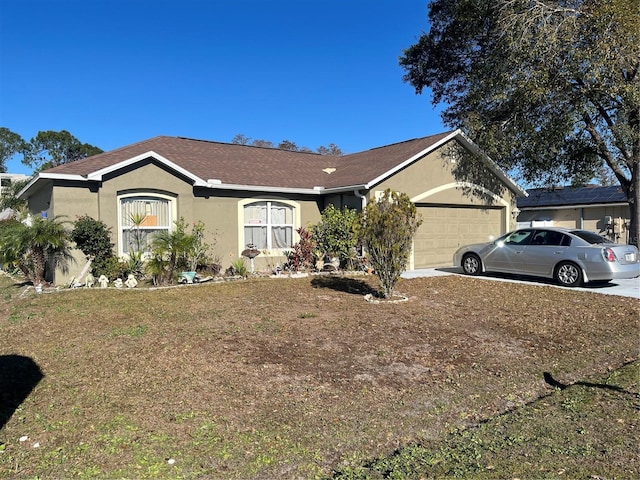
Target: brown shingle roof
x,y
258,166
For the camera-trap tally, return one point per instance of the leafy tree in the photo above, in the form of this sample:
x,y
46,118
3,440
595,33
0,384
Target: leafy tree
x,y
10,144
93,237
49,149
387,230
336,233
34,244
549,90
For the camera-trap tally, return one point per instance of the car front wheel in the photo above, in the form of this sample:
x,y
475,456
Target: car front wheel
x,y
471,264
568,274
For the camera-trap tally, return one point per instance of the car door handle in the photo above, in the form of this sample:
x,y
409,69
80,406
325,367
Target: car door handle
x,y
558,252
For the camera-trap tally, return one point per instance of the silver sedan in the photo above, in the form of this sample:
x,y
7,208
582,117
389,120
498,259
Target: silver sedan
x,y
570,256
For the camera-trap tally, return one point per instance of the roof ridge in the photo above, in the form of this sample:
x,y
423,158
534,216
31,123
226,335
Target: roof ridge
x,y
443,134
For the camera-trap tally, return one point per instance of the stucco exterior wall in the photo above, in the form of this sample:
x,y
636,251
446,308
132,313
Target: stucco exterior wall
x,y
433,175
221,211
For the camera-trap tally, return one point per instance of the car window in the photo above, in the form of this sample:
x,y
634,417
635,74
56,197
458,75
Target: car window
x,y
592,238
519,237
550,238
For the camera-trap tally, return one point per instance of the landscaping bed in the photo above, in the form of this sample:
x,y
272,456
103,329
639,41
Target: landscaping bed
x,y
304,378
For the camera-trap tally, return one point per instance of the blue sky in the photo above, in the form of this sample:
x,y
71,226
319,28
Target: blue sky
x,y
114,72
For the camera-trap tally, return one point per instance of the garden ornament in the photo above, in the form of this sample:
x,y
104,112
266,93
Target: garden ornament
x,y
131,281
103,281
90,281
118,283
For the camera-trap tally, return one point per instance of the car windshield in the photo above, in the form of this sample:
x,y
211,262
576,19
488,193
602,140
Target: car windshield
x,y
592,238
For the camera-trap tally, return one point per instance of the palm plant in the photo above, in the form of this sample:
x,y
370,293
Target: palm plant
x,y
33,244
172,247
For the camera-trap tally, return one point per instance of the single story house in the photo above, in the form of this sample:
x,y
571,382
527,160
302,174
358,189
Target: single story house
x,y
260,196
599,209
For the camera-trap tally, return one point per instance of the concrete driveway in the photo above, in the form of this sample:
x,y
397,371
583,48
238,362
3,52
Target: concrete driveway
x,y
623,288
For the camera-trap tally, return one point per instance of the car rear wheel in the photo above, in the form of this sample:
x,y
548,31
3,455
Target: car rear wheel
x,y
568,274
471,264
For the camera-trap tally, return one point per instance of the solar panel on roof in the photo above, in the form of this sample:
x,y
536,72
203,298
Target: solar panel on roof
x,y
540,197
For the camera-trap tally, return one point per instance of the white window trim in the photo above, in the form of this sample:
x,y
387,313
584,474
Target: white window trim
x,y
275,252
173,209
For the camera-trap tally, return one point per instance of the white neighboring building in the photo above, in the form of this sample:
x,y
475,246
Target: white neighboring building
x,y
6,179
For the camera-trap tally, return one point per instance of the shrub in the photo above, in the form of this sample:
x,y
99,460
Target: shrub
x,y
387,230
336,233
93,237
301,257
177,250
239,268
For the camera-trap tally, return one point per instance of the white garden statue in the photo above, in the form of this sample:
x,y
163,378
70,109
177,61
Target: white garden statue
x,y
131,281
90,281
118,283
103,281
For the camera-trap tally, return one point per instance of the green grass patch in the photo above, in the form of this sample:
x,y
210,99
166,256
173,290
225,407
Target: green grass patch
x,y
586,430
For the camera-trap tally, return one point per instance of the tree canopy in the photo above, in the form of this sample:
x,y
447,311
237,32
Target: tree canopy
x,y
549,89
241,139
49,149
10,144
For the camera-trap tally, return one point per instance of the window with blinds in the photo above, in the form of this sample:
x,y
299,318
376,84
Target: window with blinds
x,y
140,218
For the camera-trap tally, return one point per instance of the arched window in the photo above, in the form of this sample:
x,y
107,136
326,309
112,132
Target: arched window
x,y
140,217
268,225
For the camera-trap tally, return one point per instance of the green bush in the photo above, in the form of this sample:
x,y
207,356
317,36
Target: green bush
x,y
176,251
239,267
93,237
336,234
387,231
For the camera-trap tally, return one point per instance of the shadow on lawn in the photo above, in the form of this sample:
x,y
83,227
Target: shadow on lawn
x,y
18,377
549,380
343,284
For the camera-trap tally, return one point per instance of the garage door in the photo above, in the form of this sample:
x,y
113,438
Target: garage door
x,y
445,229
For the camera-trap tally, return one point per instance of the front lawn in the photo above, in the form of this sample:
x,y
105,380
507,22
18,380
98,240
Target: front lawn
x,y
301,378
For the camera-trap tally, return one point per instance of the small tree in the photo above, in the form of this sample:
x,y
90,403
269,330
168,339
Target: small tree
x,y
387,231
336,233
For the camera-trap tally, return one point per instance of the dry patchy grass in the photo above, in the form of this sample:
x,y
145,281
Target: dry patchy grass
x,y
285,378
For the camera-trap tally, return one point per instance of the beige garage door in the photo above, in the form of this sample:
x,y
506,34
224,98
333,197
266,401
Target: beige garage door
x,y
445,229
